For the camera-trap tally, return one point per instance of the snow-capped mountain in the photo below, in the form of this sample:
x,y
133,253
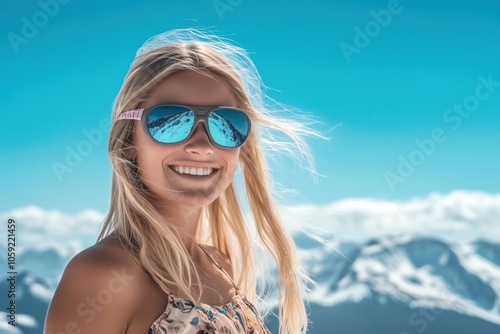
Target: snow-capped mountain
x,y
440,274
419,270
403,284
32,297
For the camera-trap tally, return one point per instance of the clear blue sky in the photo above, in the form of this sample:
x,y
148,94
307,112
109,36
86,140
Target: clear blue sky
x,y
388,88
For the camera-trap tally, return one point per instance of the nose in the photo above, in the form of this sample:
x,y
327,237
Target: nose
x,y
199,142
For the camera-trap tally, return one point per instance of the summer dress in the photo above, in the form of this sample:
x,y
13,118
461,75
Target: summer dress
x,y
182,316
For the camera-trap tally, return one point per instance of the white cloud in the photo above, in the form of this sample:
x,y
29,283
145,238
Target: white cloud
x,y
37,227
457,216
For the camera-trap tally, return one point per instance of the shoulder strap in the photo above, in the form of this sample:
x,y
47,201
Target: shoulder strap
x,y
221,269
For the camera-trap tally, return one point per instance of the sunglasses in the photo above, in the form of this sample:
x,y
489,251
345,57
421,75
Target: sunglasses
x,y
169,124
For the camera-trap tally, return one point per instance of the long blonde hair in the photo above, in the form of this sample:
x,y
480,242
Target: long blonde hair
x,y
149,235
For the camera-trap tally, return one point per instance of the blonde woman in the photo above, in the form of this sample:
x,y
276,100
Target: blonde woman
x,y
176,253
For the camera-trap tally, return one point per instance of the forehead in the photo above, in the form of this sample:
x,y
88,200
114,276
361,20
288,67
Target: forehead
x,y
192,88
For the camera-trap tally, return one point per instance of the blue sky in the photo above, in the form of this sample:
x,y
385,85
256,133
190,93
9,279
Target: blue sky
x,y
409,72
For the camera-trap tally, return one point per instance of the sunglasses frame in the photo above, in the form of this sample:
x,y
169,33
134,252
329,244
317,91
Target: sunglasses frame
x,y
201,114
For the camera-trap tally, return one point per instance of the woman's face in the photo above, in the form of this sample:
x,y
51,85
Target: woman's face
x,y
157,162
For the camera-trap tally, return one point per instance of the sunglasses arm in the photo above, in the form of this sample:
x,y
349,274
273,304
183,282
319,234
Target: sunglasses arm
x,y
131,114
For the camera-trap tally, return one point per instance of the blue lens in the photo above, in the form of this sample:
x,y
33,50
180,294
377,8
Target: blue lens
x,y
170,124
228,127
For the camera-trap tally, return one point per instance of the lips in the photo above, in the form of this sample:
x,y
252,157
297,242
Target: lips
x,y
201,171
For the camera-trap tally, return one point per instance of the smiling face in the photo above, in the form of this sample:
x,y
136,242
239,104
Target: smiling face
x,y
166,169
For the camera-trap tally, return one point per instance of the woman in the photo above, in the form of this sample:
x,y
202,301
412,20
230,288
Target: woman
x,y
175,254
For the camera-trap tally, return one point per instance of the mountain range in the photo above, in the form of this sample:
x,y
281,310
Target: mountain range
x,y
393,284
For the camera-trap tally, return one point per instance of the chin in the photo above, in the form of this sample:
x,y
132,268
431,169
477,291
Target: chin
x,y
198,201
192,199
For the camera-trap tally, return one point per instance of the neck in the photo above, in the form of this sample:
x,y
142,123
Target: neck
x,y
185,220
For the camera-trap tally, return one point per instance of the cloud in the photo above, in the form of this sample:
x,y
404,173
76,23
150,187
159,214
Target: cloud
x,y
457,216
37,226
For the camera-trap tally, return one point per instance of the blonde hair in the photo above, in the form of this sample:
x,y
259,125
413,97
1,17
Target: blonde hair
x,y
149,235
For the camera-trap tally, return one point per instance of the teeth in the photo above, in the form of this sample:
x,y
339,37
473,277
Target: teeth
x,y
193,171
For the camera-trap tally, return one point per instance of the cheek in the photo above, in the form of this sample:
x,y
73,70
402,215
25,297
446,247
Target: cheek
x,y
149,153
231,158
152,157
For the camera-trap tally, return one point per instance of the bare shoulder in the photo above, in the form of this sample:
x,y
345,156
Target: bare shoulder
x,y
97,293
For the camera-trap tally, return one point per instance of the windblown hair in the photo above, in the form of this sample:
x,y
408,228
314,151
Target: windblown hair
x,y
155,243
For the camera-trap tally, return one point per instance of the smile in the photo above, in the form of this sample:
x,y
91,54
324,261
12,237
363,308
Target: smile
x,y
193,170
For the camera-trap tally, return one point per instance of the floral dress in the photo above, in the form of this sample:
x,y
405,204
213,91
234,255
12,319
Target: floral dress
x,y
182,316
